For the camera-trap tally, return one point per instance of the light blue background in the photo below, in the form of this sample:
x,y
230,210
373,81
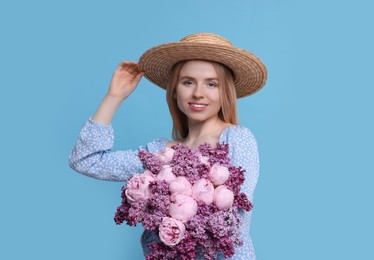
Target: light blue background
x,y
313,120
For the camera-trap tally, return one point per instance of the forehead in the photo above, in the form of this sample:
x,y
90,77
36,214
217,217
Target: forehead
x,y
198,68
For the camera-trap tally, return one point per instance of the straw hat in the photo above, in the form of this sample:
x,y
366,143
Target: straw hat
x,y
249,71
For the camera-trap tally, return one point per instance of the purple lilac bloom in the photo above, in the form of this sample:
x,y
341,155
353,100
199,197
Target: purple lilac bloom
x,y
197,228
157,205
224,224
198,224
226,246
123,209
182,251
187,163
241,201
205,149
135,213
150,161
208,249
222,227
219,155
160,251
200,229
159,187
187,249
236,179
121,213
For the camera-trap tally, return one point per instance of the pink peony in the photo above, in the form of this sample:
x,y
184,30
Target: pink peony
x,y
203,190
166,155
166,174
137,187
223,197
218,174
171,231
180,185
182,207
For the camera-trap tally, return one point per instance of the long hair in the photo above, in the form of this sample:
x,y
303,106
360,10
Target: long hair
x,y
228,111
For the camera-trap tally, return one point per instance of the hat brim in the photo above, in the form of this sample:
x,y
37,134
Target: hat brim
x,y
249,71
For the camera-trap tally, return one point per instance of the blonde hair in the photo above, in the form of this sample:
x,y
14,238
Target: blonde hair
x,y
228,111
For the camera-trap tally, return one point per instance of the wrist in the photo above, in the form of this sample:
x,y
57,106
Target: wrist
x,y
107,109
114,99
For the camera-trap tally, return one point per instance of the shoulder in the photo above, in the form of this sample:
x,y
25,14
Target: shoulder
x,y
243,148
241,142
237,134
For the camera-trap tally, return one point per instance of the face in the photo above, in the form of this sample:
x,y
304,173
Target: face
x,y
197,91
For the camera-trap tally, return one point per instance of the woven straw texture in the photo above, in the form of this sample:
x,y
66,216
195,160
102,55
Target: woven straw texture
x,y
250,73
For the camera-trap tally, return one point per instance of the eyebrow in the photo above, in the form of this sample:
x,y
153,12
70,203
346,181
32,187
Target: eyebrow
x,y
189,77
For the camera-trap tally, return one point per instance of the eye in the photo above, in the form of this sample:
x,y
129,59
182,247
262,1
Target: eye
x,y
187,82
212,84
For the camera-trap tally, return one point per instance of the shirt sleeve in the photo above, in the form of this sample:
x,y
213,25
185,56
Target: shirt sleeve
x,y
92,155
244,152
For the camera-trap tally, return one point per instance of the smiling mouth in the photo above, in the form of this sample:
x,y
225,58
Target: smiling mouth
x,y
197,105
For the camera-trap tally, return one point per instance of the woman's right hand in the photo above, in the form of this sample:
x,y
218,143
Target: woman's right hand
x,y
124,80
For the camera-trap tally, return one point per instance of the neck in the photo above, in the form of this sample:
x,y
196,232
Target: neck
x,y
204,132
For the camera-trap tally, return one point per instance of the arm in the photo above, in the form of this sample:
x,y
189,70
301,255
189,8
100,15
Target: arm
x,y
91,156
244,152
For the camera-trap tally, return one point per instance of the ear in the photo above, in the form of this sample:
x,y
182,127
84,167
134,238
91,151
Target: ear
x,y
175,95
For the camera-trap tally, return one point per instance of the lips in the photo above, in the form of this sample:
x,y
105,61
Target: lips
x,y
197,106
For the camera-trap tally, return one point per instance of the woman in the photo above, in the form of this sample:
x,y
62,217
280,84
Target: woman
x,y
203,75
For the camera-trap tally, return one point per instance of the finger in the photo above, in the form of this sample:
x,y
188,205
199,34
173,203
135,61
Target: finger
x,y
132,68
122,65
127,63
138,77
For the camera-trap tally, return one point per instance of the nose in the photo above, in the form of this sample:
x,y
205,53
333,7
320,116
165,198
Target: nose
x,y
198,91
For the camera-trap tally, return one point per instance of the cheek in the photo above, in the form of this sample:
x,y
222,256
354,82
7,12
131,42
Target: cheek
x,y
216,97
178,101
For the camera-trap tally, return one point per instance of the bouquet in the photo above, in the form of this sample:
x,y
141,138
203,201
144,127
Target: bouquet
x,y
190,198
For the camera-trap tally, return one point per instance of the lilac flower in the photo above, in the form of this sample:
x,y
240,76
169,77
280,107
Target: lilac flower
x,y
154,213
219,155
123,209
159,187
183,251
209,249
187,249
236,179
226,247
205,149
135,213
186,163
150,161
241,201
223,224
157,206
198,228
121,213
160,251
